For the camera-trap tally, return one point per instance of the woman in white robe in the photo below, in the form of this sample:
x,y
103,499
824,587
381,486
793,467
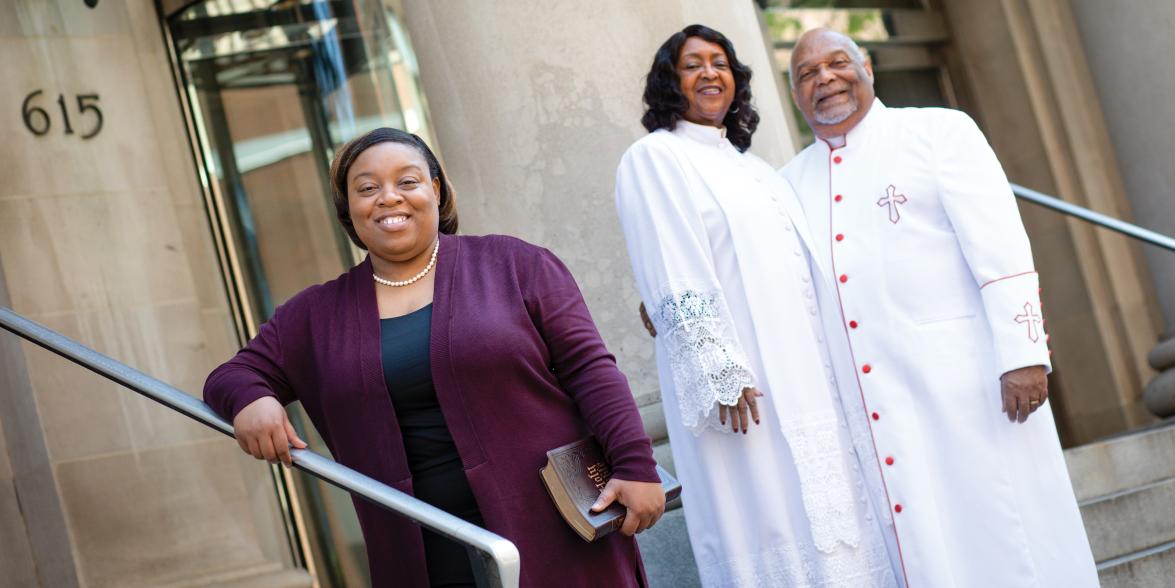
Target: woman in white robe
x,y
717,244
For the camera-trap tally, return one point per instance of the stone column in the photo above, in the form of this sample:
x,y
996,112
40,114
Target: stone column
x,y
1127,45
34,543
1033,95
533,109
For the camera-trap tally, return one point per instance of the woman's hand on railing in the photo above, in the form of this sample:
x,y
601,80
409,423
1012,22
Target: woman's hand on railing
x,y
263,430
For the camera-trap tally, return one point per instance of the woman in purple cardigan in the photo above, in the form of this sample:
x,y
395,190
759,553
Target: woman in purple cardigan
x,y
446,367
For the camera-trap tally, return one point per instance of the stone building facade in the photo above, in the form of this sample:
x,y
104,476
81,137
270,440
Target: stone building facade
x,y
163,190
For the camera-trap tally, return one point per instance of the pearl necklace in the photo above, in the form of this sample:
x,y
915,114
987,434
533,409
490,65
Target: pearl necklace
x,y
424,272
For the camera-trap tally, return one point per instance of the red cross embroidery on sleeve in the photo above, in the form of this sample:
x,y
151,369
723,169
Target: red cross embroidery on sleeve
x,y
1032,319
892,199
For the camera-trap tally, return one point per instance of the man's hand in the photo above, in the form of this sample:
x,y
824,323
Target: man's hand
x,y
1024,390
645,502
739,417
264,431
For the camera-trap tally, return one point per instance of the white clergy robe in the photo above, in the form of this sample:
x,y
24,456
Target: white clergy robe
x,y
714,236
931,296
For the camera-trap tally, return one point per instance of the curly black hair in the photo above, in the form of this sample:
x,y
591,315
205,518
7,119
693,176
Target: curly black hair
x,y
667,105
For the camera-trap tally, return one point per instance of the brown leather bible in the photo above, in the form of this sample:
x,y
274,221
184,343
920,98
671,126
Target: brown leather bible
x,y
575,475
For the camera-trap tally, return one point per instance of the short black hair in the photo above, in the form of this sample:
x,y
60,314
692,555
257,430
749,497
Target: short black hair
x,y
351,151
667,105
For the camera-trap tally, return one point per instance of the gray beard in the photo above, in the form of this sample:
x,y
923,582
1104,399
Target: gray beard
x,y
836,117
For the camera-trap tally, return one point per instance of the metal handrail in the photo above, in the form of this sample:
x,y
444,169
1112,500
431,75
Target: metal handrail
x,y
500,555
1097,218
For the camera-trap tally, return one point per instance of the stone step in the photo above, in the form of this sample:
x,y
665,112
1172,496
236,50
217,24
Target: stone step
x,y
282,579
270,575
665,548
1126,461
1151,568
1131,520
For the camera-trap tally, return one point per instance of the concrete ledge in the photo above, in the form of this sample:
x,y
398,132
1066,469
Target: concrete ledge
x,y
653,416
669,560
266,576
1130,521
1123,462
1151,569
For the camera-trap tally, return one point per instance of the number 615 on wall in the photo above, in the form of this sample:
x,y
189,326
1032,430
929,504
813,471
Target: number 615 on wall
x,y
37,120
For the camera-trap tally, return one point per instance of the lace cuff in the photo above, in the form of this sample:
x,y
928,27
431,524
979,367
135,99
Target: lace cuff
x,y
707,363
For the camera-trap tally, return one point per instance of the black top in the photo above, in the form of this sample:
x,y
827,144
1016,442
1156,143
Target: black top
x,y
407,370
438,477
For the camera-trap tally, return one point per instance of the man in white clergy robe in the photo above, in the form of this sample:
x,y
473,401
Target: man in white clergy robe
x,y
933,318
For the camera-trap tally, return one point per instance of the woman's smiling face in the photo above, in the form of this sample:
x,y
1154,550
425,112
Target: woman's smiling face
x,y
392,201
706,81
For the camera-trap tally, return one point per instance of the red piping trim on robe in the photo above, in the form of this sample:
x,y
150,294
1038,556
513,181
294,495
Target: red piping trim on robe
x,y
856,372
990,282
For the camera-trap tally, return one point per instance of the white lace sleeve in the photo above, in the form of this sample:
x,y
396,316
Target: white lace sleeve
x,y
709,367
669,246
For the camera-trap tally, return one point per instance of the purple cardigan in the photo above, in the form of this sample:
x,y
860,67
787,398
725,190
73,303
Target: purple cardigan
x,y
519,368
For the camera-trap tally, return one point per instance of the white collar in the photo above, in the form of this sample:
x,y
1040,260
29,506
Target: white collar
x,y
705,134
857,134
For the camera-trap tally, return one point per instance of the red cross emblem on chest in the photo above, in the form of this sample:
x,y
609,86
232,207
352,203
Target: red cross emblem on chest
x,y
892,199
1031,319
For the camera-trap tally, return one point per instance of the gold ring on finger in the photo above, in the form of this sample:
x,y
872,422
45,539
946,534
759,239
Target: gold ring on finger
x,y
1033,402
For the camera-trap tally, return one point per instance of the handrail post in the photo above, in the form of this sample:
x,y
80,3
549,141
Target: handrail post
x,y
501,556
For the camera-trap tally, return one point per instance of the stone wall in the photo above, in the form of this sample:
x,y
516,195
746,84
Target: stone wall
x,y
1032,94
533,110
1128,45
105,239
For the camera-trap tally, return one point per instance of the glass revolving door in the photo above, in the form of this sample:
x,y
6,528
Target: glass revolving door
x,y
271,89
